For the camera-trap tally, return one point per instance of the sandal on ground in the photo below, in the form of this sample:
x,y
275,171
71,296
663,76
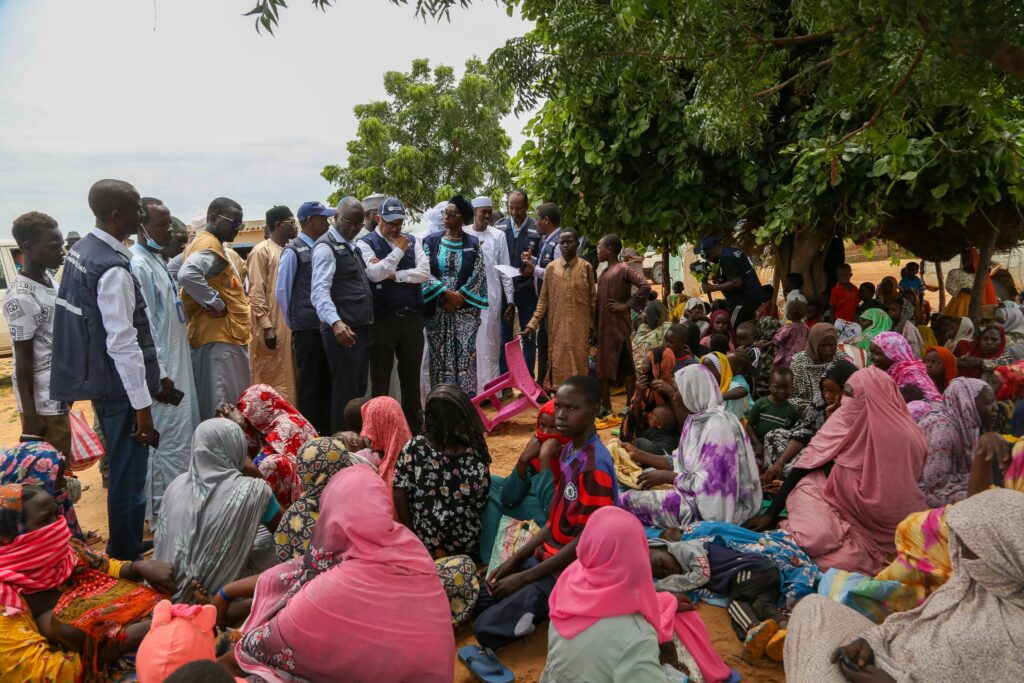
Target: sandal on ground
x,y
485,665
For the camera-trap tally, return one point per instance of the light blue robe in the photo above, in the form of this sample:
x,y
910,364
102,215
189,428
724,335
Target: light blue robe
x,y
175,423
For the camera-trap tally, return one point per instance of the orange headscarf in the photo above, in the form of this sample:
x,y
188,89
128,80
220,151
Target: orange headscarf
x,y
988,296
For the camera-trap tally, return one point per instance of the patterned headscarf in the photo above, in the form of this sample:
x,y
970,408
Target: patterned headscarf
x,y
721,363
10,510
906,368
318,461
37,463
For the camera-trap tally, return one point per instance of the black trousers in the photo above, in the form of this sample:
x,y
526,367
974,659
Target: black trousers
x,y
401,336
349,370
501,623
542,353
312,379
753,597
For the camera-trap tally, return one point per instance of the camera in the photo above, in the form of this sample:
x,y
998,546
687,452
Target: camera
x,y
701,270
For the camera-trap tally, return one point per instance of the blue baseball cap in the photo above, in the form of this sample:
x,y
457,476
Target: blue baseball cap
x,y
705,245
314,209
391,209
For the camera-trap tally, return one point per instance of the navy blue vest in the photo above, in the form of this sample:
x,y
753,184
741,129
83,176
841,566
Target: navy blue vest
x,y
390,296
81,369
301,313
528,238
350,290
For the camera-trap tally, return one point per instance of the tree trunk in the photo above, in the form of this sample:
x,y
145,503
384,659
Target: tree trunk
x,y
666,278
805,254
981,272
942,286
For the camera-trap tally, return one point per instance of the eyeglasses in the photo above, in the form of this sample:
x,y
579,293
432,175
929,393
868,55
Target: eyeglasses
x,y
234,224
452,214
393,224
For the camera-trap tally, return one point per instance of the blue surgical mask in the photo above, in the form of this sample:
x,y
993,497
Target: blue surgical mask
x,y
151,243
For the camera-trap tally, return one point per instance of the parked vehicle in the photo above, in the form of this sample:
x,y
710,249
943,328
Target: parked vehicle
x,y
8,271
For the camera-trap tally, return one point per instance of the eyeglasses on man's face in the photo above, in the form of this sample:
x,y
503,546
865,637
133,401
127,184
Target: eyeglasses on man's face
x,y
236,224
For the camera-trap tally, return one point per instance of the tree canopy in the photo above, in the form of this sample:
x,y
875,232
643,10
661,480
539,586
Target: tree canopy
x,y
895,119
432,138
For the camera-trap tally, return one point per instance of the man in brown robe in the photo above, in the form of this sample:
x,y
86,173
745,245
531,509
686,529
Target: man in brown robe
x,y
270,348
568,294
615,298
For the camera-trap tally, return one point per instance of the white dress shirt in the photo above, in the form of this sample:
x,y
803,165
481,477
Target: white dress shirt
x,y
376,271
115,296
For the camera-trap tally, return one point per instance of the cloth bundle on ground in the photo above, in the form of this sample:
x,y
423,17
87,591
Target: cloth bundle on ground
x,y
875,598
275,431
364,599
612,578
178,634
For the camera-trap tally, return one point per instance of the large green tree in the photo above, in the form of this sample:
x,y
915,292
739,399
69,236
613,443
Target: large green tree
x,y
433,137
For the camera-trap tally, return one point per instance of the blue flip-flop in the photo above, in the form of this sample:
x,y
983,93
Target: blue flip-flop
x,y
485,665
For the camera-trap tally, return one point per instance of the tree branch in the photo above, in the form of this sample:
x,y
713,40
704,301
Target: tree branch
x,y
895,91
814,68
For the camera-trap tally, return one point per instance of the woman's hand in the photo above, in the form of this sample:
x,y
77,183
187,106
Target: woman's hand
x,y
758,523
230,412
250,470
652,478
507,567
771,474
856,661
453,300
993,447
664,388
508,585
159,575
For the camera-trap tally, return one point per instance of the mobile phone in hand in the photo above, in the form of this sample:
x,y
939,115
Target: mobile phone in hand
x,y
846,661
175,397
154,441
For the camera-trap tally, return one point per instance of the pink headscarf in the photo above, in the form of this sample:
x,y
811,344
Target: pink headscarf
x,y
385,426
906,367
346,604
178,634
612,577
878,452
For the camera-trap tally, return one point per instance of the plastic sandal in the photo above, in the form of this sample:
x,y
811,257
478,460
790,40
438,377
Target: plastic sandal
x,y
485,665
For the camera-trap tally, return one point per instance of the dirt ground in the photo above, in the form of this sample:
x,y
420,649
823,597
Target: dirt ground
x,y
525,658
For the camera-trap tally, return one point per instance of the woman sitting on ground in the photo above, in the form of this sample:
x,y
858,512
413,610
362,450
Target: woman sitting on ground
x,y
607,621
810,364
212,513
275,431
857,479
442,477
713,475
651,332
890,351
782,447
364,600
970,629
986,353
952,431
66,612
940,363
902,314
319,460
873,322
383,423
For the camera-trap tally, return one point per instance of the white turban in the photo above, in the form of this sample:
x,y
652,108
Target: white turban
x,y
482,202
434,218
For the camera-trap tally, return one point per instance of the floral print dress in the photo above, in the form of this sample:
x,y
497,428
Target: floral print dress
x,y
447,496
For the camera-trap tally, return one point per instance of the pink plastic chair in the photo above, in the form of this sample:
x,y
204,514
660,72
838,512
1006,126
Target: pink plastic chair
x,y
517,377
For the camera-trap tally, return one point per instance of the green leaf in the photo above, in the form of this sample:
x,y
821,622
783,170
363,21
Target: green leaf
x,y
939,191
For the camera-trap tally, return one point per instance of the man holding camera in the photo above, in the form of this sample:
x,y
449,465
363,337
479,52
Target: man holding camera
x,y
736,279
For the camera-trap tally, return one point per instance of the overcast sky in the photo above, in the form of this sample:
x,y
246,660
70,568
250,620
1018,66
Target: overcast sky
x,y
203,106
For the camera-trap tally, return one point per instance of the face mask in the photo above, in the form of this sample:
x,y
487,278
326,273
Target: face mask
x,y
151,243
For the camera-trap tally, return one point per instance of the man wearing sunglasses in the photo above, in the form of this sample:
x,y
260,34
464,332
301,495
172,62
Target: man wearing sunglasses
x,y
213,293
344,303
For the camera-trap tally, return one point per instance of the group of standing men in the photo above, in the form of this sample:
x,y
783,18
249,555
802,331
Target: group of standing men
x,y
159,344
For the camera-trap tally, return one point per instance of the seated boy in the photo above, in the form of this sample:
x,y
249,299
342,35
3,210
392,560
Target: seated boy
x,y
662,433
773,411
515,597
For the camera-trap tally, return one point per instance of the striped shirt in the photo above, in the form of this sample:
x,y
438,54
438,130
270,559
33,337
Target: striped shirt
x,y
587,483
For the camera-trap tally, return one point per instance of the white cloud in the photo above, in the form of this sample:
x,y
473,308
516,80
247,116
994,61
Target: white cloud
x,y
203,106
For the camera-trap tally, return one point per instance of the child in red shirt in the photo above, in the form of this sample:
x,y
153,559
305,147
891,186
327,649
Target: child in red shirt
x,y
845,296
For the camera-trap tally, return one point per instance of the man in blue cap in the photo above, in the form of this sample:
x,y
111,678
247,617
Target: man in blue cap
x,y
293,291
397,266
343,301
736,279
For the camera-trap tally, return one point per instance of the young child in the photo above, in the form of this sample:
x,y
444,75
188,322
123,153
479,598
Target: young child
x,y
867,298
844,297
29,310
770,307
662,434
515,597
677,301
792,338
773,411
814,313
738,397
911,281
791,286
719,343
